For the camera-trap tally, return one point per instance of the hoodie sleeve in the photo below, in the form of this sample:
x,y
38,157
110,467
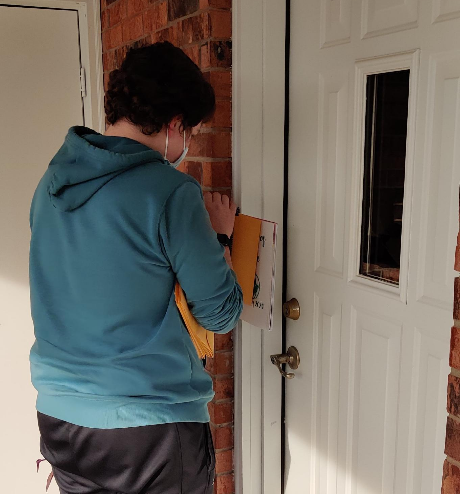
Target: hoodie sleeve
x,y
197,258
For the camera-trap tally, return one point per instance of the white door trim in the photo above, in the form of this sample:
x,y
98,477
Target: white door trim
x,y
89,20
258,172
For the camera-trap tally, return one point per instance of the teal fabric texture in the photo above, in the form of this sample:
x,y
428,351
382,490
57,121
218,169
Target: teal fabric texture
x,y
113,226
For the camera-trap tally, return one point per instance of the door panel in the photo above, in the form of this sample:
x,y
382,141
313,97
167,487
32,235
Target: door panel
x,y
440,181
332,142
388,16
378,344
365,413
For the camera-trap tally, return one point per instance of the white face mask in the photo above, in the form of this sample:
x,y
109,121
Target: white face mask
x,y
179,160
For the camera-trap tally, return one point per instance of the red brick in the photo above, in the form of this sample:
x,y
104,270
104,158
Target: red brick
x,y
193,168
221,24
105,40
221,413
220,4
457,255
454,357
224,484
106,81
148,38
181,8
112,38
453,395
457,298
453,439
223,363
450,479
223,341
156,17
174,34
200,144
103,4
210,365
193,29
223,115
119,55
167,34
205,56
139,42
222,437
224,461
133,28
107,61
221,145
104,20
118,12
136,6
193,52
213,144
221,81
391,274
217,174
224,388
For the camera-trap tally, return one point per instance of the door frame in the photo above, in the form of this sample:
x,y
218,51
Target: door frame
x,y
258,113
89,26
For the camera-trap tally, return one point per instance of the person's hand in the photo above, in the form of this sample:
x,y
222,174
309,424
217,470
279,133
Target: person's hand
x,y
221,212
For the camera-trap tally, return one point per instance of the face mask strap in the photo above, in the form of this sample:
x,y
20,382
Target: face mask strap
x,y
167,142
184,152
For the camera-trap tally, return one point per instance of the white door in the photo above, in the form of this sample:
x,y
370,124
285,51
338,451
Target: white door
x,y
366,411
40,99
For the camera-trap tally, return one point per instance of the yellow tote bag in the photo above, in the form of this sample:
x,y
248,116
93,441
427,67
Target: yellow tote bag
x,y
201,338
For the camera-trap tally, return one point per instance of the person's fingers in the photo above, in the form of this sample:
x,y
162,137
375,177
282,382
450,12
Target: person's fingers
x,y
207,198
233,207
216,197
225,200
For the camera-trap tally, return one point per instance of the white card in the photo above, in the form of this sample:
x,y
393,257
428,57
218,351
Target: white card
x,y
260,312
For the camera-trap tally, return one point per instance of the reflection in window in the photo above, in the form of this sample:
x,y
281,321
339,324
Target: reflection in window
x,y
384,168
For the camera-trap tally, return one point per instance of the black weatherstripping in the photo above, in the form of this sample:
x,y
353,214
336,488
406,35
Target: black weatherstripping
x,y
287,49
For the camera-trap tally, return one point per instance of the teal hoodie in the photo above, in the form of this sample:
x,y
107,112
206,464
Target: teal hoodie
x,y
113,226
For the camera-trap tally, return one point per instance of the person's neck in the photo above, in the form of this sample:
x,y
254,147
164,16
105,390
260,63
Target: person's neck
x,y
124,128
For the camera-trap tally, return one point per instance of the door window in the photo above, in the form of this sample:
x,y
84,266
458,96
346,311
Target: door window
x,y
387,101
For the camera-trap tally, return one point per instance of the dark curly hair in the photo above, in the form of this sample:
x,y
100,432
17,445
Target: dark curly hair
x,y
156,83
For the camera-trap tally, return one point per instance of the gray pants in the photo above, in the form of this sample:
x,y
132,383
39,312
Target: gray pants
x,y
176,458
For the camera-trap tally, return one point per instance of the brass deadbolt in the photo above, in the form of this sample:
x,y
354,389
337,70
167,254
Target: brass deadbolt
x,y
291,309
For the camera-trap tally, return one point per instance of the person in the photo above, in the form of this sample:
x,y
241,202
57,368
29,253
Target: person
x,y
122,402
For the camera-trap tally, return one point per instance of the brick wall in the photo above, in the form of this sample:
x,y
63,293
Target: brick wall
x,y
202,28
451,473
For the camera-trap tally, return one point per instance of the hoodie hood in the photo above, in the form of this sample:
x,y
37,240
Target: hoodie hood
x,y
87,161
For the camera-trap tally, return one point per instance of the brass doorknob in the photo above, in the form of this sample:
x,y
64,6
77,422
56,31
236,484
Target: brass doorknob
x,y
291,309
292,358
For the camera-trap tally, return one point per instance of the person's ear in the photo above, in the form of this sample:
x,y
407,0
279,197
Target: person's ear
x,y
196,129
176,125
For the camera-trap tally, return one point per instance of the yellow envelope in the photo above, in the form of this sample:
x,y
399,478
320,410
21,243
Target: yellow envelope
x,y
201,338
244,253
